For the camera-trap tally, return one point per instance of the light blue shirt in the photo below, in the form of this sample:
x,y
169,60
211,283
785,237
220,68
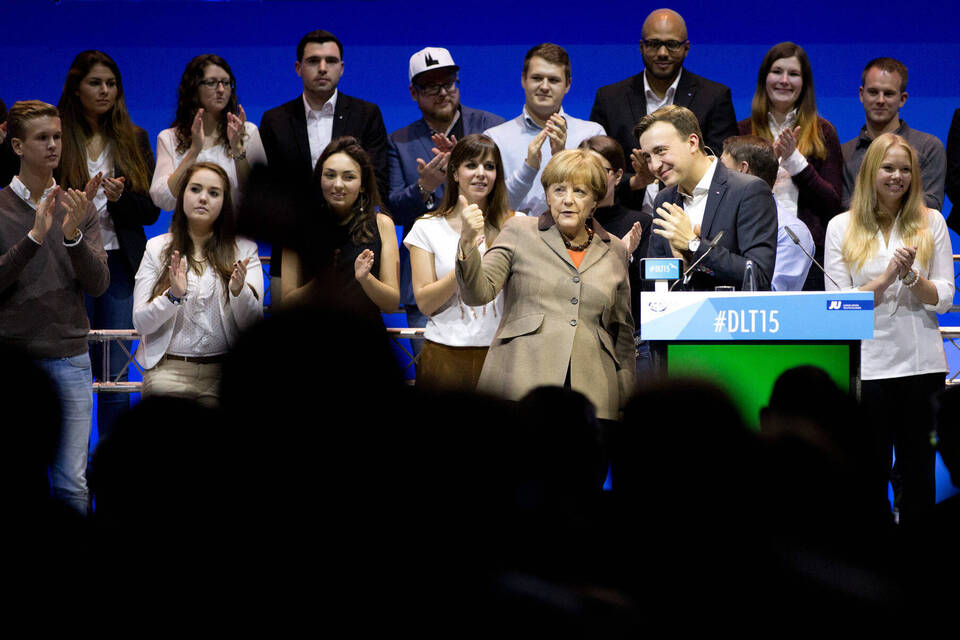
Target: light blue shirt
x,y
792,265
523,182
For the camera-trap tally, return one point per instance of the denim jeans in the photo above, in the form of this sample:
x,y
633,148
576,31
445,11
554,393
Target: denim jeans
x,y
72,377
112,310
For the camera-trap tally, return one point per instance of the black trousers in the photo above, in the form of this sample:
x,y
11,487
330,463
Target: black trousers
x,y
901,411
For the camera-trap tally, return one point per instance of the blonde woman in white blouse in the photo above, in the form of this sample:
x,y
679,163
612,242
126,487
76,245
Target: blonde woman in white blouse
x,y
891,244
210,126
197,289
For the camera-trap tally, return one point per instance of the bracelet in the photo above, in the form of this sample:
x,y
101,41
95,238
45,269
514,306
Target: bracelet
x,y
174,299
238,156
912,282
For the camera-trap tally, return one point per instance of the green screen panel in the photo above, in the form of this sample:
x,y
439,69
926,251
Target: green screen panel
x,y
747,371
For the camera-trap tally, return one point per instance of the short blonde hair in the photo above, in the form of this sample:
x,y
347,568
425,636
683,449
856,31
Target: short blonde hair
x,y
579,166
25,110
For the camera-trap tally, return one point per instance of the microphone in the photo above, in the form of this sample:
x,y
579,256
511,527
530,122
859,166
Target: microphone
x,y
687,274
796,241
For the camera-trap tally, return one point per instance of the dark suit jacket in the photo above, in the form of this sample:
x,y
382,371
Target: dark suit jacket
x,y
953,172
742,206
132,211
283,131
618,107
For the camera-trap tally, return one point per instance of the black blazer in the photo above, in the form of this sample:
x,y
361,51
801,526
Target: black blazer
x,y
283,131
133,210
742,206
618,107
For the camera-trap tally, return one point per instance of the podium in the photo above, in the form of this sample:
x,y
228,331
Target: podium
x,y
743,341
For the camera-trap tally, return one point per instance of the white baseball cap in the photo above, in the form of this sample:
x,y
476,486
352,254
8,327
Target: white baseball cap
x,y
429,59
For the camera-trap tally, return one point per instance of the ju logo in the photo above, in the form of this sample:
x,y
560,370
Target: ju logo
x,y
834,304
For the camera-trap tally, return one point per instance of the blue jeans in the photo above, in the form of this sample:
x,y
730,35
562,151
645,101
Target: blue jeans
x,y
112,310
72,377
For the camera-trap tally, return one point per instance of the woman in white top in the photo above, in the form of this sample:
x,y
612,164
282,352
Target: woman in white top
x,y
198,287
109,157
210,126
810,181
457,335
891,244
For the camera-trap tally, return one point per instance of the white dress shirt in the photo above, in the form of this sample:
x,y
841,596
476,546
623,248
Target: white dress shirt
x,y
695,204
906,336
104,165
785,191
319,126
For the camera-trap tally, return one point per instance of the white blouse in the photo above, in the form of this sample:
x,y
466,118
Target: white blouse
x,y
906,335
198,330
104,165
168,159
785,191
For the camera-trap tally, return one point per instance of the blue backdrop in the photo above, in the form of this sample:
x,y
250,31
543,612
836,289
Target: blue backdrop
x,y
152,42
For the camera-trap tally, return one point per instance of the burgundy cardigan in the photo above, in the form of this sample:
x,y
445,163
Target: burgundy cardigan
x,y
820,183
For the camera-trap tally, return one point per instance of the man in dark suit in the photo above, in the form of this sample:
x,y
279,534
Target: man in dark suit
x,y
618,107
700,199
296,133
418,153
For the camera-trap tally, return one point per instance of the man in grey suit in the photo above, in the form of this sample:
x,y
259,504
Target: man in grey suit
x,y
418,153
700,199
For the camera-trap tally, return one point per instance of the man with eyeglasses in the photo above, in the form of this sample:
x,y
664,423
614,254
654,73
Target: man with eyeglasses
x,y
618,107
296,133
418,153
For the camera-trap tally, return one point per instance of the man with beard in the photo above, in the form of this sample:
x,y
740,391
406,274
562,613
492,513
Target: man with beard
x,y
618,107
419,152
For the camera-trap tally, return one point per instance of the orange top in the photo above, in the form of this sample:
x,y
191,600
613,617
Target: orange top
x,y
577,256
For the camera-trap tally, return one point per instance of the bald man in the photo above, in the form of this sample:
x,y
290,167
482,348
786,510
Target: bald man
x,y
619,107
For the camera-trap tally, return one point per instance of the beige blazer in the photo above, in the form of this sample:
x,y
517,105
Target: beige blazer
x,y
555,316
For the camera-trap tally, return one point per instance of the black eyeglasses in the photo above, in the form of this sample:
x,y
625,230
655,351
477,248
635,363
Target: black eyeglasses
x,y
212,83
672,45
435,89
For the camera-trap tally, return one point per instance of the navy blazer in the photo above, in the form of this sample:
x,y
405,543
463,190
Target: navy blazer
x,y
404,201
742,206
412,142
283,131
619,106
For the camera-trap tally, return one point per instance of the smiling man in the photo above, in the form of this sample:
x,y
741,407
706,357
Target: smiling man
x,y
542,130
664,81
701,198
417,174
883,92
50,255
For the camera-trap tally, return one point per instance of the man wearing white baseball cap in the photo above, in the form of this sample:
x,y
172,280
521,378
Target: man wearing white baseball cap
x,y
418,153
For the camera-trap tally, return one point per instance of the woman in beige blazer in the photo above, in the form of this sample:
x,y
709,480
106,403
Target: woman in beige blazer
x,y
566,318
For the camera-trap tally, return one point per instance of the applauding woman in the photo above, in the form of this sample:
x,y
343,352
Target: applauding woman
x,y
198,287
210,127
457,336
365,270
891,244
108,156
566,317
810,181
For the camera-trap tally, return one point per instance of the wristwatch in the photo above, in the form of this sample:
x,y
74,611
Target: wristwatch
x,y
694,244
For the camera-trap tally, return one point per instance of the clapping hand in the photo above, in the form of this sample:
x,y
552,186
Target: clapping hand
x,y
239,276
433,173
363,264
196,132
632,237
92,186
75,202
786,143
556,128
3,132
113,188
43,220
674,225
641,172
443,143
534,153
178,275
235,126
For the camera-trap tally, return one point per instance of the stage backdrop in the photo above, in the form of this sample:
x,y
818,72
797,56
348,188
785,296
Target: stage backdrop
x,y
152,42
